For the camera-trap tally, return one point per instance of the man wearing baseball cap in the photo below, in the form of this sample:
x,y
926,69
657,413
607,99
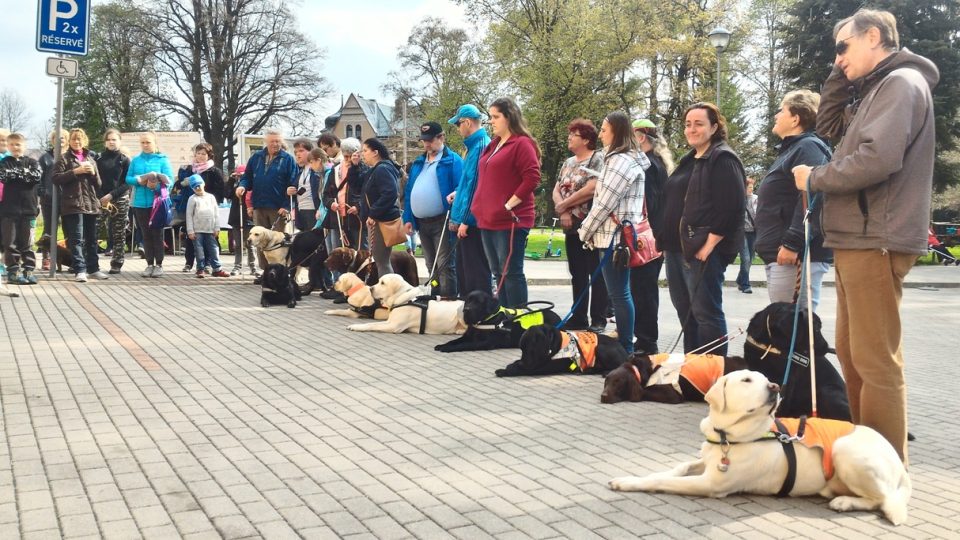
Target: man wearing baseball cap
x,y
434,176
473,271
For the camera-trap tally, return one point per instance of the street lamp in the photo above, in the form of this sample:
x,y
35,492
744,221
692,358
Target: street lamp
x,y
719,37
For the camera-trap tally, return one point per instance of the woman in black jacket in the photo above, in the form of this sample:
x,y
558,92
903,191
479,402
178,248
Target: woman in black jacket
x,y
114,193
703,226
779,221
379,201
342,193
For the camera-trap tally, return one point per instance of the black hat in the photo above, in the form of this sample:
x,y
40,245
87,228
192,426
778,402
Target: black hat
x,y
429,131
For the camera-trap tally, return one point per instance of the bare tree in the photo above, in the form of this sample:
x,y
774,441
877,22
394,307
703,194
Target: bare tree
x,y
228,66
13,110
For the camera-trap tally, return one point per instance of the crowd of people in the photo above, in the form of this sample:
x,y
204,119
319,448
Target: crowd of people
x,y
473,210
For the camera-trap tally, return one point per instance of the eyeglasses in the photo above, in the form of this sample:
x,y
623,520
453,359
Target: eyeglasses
x,y
842,45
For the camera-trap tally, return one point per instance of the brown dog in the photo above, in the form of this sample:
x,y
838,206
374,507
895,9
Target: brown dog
x,y
656,378
344,259
64,257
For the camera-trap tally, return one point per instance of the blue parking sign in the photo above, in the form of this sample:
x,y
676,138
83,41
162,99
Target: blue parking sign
x,y
63,26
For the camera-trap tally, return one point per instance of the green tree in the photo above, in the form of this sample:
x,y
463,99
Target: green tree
x,y
926,27
111,89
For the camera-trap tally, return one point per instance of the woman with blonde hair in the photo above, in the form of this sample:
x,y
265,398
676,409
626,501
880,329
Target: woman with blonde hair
x,y
149,172
79,179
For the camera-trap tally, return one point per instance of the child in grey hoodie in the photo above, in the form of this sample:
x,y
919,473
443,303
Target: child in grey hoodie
x,y
203,228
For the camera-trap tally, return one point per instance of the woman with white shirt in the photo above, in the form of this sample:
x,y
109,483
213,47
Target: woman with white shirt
x,y
619,193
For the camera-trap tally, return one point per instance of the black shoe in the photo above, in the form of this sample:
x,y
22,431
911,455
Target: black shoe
x,y
342,299
329,294
597,328
746,291
114,271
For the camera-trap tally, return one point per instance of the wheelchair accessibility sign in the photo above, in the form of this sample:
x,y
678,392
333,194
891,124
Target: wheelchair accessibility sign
x,y
63,26
62,67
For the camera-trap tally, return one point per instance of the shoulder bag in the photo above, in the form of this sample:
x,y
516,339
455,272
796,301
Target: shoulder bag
x,y
637,245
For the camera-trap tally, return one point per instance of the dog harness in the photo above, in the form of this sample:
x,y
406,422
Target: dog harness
x,y
366,311
524,317
580,347
820,433
700,370
422,302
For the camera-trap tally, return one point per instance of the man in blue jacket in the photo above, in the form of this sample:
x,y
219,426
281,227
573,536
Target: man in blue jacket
x,y
269,173
473,270
434,176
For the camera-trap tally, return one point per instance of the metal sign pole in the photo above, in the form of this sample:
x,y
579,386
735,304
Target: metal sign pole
x,y
55,190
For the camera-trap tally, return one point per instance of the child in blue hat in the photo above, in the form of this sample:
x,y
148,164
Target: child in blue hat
x,y
203,228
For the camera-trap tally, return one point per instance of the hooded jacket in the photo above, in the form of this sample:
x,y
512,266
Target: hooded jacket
x,y
269,181
879,183
20,177
143,164
113,167
779,217
460,211
512,170
380,191
78,192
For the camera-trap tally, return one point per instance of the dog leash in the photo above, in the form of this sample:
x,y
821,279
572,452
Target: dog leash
x,y
506,264
593,277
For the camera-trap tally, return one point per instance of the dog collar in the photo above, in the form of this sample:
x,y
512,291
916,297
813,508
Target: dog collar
x,y
636,373
356,288
767,349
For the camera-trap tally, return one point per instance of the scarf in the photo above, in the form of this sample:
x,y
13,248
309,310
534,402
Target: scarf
x,y
199,168
79,155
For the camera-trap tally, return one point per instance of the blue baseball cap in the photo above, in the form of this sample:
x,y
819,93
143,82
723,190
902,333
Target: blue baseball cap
x,y
465,111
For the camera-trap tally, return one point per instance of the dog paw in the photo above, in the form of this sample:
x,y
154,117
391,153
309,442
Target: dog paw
x,y
500,373
626,483
846,504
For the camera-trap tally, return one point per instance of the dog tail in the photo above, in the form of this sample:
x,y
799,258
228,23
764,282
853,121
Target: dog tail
x,y
894,506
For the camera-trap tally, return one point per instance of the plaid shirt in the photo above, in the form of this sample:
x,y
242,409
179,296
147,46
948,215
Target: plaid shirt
x,y
619,192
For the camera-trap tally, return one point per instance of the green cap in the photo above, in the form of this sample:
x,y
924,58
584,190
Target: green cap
x,y
643,123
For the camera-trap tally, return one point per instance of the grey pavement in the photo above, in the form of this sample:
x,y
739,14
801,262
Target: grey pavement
x,y
178,408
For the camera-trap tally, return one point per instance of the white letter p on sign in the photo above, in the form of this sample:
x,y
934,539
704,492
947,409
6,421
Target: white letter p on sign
x,y
55,14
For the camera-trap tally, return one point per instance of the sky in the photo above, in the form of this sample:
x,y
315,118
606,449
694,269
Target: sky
x,y
361,46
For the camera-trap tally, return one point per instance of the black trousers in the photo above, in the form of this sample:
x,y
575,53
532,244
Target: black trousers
x,y
645,289
15,241
582,263
473,271
152,238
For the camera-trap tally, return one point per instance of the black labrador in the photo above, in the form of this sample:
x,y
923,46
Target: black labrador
x,y
631,381
277,287
548,351
766,348
489,327
308,250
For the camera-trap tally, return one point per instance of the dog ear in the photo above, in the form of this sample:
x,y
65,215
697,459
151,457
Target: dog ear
x,y
716,396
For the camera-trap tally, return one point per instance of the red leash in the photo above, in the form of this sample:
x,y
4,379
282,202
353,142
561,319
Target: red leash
x,y
503,274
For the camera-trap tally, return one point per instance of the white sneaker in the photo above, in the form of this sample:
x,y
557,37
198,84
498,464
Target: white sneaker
x,y
99,275
148,272
157,271
187,268
81,277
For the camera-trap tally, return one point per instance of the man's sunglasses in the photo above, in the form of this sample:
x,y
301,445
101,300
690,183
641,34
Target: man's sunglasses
x,y
842,45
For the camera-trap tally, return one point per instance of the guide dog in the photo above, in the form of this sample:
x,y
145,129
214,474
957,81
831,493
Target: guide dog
x,y
277,287
662,379
490,326
344,259
742,454
361,302
410,313
306,249
544,350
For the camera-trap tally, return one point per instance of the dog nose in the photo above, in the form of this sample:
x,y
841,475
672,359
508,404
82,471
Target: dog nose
x,y
774,387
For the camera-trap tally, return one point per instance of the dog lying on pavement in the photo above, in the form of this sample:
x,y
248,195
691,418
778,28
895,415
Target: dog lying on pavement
x,y
490,326
544,350
361,302
765,350
411,313
344,259
277,287
667,378
857,469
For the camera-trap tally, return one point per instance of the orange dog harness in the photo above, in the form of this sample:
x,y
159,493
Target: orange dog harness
x,y
700,370
820,433
580,347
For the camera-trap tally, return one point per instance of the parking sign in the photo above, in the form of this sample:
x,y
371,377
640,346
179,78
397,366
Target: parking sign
x,y
63,26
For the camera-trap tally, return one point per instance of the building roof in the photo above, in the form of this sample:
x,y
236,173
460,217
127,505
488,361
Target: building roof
x,y
379,116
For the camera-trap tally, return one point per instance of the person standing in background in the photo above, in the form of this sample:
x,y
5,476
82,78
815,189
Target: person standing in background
x,y
749,238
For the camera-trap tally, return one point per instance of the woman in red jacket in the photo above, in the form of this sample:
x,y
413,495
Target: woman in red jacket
x,y
509,171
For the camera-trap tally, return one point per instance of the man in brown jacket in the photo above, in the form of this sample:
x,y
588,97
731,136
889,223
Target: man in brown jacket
x,y
877,202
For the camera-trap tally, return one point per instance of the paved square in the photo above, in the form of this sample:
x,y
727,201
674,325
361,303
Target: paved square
x,y
177,407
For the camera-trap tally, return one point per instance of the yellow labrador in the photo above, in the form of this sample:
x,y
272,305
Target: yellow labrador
x,y
868,473
270,242
358,298
394,293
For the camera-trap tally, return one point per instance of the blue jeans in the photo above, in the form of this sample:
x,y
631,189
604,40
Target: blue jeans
x,y
746,258
208,251
496,246
696,290
81,233
782,280
618,293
